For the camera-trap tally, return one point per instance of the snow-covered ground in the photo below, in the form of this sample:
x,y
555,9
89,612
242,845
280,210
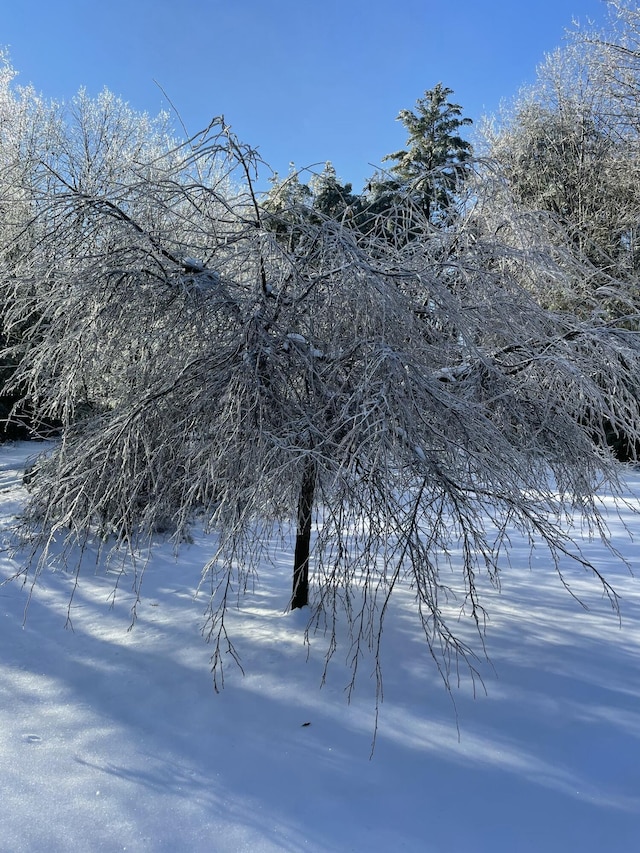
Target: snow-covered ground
x,y
115,740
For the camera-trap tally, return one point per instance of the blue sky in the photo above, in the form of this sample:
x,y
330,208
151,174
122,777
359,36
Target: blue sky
x,y
304,82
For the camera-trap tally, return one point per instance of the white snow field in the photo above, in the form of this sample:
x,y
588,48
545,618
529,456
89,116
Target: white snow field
x,y
114,739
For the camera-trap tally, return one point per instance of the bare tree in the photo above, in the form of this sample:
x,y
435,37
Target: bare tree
x,y
614,51
564,151
23,116
391,400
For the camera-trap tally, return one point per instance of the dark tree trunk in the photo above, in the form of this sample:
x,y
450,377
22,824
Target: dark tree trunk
x,y
300,595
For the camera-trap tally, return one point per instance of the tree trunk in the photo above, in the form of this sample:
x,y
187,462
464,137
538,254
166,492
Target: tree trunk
x,y
300,595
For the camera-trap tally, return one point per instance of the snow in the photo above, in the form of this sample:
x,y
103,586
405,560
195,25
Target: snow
x,y
114,739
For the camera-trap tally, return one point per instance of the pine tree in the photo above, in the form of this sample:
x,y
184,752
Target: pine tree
x,y
283,204
331,198
436,157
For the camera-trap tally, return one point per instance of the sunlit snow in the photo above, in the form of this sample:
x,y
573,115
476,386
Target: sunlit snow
x,y
113,739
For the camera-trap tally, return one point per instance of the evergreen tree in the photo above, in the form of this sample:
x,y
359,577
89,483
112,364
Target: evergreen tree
x,y
331,198
283,204
436,157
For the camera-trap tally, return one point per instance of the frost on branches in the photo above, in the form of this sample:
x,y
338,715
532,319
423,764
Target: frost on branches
x,y
402,401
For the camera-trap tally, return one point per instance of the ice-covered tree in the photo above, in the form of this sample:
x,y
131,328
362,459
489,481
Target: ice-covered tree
x,y
569,149
398,405
23,121
435,160
333,198
564,152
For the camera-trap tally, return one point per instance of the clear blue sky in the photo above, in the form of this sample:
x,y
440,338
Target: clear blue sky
x,y
302,81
